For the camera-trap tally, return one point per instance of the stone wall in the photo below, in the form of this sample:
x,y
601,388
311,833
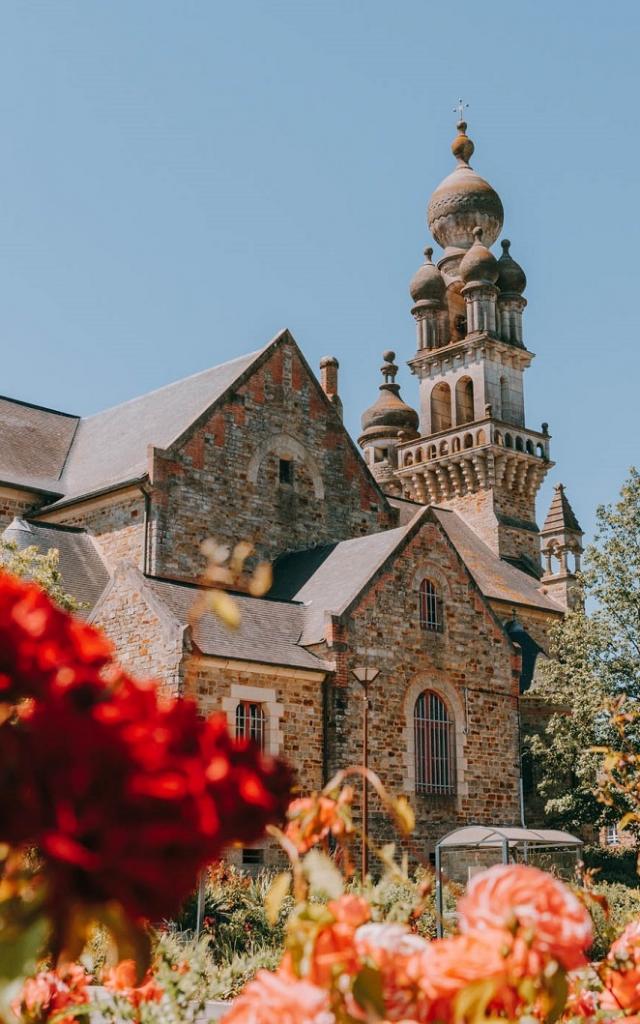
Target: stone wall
x,y
116,522
149,643
471,664
14,503
225,479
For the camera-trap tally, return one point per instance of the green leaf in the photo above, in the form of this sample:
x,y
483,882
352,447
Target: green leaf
x,y
322,875
470,1005
367,991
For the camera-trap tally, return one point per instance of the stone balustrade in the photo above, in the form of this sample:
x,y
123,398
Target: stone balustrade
x,y
479,434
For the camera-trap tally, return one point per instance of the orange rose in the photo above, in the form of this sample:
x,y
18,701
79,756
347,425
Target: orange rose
x,y
280,999
450,965
621,971
122,980
518,897
313,818
392,948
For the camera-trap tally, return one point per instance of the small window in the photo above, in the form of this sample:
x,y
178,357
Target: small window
x,y
285,472
250,722
431,617
434,746
250,856
611,835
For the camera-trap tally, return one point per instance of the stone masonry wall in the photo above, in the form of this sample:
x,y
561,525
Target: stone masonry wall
x,y
117,525
471,664
12,504
482,512
148,644
293,705
224,481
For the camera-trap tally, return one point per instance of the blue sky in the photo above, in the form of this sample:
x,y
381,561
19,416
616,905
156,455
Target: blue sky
x,y
179,180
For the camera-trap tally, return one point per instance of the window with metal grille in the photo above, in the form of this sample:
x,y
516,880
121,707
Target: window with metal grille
x,y
252,856
431,616
434,731
250,722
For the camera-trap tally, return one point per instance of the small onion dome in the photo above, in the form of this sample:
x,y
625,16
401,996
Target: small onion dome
x,y
389,414
511,276
479,264
464,200
427,284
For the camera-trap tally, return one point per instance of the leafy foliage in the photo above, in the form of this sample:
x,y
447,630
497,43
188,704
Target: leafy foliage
x,y
29,563
594,665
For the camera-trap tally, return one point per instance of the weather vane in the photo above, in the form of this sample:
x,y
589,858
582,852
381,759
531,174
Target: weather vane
x,y
459,109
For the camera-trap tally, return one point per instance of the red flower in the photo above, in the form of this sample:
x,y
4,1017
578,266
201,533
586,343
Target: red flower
x,y
127,797
122,981
52,992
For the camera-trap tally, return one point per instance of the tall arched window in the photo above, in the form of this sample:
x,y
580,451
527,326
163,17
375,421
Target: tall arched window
x,y
464,401
434,746
250,722
440,408
431,616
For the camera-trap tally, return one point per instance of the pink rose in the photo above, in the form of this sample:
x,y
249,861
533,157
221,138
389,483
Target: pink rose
x,y
280,999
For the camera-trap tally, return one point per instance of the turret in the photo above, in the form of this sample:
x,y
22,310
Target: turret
x,y
561,541
385,425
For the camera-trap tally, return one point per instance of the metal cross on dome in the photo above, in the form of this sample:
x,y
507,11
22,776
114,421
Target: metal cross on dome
x,y
459,109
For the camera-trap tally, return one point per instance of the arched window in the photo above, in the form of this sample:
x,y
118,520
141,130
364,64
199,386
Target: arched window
x,y
250,722
434,746
464,401
431,617
440,408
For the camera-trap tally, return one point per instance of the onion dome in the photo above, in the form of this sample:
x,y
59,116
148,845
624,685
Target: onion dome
x,y
479,264
389,414
464,200
427,284
511,276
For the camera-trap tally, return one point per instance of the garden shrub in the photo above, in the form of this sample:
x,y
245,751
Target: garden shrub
x,y
623,904
613,864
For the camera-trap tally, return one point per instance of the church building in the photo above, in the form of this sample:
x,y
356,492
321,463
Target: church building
x,y
409,573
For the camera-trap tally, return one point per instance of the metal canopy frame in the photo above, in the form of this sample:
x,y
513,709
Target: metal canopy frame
x,y
504,838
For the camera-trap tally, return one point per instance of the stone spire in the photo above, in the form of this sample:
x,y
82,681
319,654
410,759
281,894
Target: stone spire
x,y
561,541
386,424
475,453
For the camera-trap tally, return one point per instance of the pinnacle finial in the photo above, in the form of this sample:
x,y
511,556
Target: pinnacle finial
x,y
429,253
389,369
459,109
462,147
506,245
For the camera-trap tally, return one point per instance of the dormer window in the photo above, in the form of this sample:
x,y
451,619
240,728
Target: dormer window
x,y
285,471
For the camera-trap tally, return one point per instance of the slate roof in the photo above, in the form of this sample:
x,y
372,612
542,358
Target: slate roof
x,y
84,574
35,443
560,516
495,578
328,577
69,456
269,631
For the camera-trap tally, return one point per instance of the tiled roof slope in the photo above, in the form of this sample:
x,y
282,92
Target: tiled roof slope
x,y
561,516
34,444
70,457
111,447
328,577
269,631
495,578
84,574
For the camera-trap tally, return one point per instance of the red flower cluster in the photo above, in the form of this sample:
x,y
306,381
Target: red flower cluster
x,y
50,993
126,797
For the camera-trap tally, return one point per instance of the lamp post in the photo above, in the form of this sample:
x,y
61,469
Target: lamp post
x,y
365,675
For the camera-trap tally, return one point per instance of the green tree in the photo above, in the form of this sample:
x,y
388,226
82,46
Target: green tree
x,y
30,563
594,667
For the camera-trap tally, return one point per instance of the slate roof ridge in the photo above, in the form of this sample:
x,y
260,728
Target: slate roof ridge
x,y
40,408
175,383
187,585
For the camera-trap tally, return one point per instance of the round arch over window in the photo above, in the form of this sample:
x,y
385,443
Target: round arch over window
x,y
434,730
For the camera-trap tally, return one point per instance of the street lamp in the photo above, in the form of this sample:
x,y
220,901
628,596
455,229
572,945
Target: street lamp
x,y
365,675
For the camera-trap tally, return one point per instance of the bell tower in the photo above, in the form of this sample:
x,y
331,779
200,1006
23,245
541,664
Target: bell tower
x,y
474,453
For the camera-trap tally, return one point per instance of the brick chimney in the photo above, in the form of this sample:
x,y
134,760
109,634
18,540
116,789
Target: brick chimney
x,y
329,367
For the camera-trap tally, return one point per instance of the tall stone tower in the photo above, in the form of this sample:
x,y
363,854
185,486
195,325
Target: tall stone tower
x,y
474,453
